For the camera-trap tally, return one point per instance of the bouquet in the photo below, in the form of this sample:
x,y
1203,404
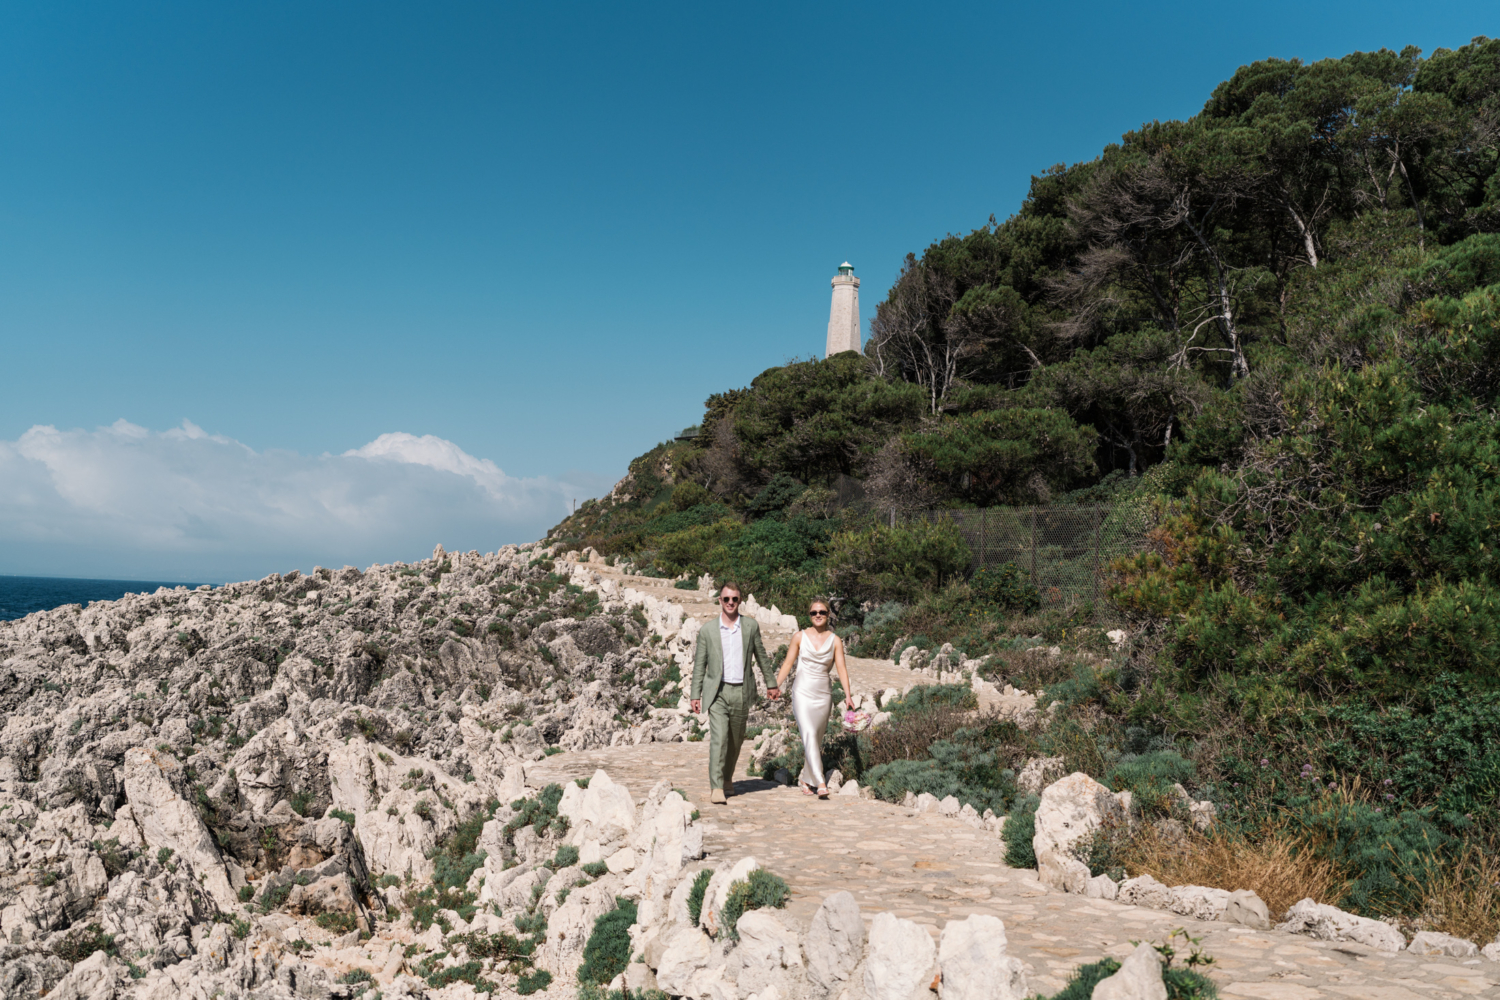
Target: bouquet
x,y
856,722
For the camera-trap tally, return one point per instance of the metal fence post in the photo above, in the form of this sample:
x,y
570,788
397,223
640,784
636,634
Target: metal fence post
x,y
1098,527
1033,548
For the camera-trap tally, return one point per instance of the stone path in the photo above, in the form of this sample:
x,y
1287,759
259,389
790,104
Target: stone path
x,y
930,869
865,674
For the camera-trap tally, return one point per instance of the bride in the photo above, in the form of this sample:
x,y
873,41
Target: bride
x,y
814,650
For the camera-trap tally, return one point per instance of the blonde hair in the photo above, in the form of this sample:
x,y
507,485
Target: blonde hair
x,y
826,604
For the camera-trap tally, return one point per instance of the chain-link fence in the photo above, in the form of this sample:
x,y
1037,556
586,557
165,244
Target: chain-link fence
x,y
1065,550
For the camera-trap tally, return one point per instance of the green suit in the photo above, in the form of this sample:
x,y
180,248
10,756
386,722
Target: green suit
x,y
728,705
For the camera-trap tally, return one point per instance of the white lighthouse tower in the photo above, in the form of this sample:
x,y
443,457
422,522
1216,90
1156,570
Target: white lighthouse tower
x,y
843,315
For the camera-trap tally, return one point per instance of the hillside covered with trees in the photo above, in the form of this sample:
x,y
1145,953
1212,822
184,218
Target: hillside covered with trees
x,y
1274,328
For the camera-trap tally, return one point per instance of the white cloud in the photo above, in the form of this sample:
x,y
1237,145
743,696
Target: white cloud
x,y
126,501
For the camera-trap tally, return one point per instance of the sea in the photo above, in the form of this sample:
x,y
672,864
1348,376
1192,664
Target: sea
x,y
21,595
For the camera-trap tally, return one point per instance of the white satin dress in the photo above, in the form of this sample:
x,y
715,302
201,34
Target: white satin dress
x,y
812,703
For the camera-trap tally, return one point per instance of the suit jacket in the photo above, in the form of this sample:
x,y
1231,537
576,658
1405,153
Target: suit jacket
x,y
708,659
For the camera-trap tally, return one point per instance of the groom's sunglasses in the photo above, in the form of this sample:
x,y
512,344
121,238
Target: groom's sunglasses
x,y
730,600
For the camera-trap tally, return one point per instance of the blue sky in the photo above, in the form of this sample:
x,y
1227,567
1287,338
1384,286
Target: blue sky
x,y
532,236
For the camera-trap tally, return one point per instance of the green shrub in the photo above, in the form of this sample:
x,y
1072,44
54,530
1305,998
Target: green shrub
x,y
82,943
686,584
887,564
686,551
241,928
342,814
1181,984
300,801
530,982
566,855
1005,586
1020,828
1392,856
1081,986
538,812
956,767
465,972
695,895
273,896
775,496
163,855
759,889
114,857
608,949
686,496
338,923
457,855
595,869
1150,777
247,893
531,923
501,946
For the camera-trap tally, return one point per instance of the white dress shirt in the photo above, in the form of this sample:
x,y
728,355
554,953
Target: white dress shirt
x,y
734,651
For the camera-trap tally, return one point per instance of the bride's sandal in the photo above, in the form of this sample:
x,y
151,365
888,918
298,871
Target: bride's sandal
x,y
806,788
822,791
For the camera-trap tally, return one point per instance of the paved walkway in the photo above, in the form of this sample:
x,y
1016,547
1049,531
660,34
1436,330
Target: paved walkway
x,y
931,869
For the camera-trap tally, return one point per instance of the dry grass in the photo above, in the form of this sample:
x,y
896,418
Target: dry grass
x,y
1464,898
1275,864
908,736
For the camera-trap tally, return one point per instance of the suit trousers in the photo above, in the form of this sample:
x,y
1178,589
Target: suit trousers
x,y
727,716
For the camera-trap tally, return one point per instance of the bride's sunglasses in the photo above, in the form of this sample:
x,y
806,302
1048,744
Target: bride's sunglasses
x,y
817,614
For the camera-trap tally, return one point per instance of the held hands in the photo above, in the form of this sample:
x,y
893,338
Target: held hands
x,y
773,693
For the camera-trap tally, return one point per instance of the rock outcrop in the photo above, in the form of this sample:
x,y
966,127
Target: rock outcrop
x,y
1071,811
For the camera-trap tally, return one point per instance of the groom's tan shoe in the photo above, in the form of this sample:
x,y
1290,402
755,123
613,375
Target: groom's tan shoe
x,y
717,797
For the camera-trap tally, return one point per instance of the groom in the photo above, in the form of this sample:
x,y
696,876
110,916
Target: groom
x,y
720,656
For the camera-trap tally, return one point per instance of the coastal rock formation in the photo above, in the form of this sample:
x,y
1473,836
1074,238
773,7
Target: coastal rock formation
x,y
227,788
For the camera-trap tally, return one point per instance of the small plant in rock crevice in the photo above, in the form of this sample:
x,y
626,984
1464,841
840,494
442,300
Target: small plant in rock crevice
x,y
607,951
695,895
758,889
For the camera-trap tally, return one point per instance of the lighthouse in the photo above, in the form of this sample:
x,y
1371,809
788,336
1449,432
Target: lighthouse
x,y
843,315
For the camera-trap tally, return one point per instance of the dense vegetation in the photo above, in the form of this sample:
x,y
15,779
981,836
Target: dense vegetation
x,y
1276,327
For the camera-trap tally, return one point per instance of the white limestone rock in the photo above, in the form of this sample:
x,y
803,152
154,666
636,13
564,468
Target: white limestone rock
x,y
974,964
717,892
167,820
1147,892
1329,923
1138,978
1199,902
1071,810
1246,907
835,941
1435,943
569,925
95,978
688,950
604,812
901,958
1101,887
768,954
